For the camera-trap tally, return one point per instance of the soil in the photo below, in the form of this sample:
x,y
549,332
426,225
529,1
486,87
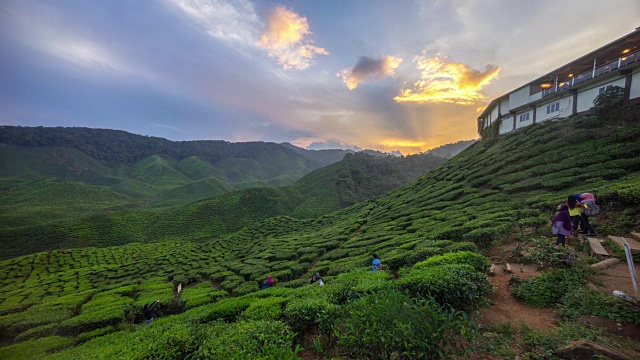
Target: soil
x,y
506,308
616,277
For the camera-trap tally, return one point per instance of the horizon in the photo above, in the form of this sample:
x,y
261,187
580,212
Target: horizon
x,y
405,76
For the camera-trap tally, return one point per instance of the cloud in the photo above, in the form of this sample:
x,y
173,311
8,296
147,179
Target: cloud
x,y
332,144
232,22
174,128
287,39
443,81
369,69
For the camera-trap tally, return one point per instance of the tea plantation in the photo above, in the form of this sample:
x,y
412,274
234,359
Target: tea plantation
x,y
86,303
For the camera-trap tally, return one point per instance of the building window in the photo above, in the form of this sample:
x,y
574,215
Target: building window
x,y
524,117
604,88
553,108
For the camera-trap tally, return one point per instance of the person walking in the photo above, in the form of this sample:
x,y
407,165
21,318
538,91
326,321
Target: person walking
x,y
589,208
561,224
148,312
375,264
573,202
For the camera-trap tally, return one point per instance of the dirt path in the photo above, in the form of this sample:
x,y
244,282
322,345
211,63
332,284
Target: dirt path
x,y
506,308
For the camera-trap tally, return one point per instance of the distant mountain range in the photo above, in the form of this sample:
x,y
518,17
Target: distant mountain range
x,y
68,187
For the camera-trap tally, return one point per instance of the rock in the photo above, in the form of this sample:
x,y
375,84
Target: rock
x,y
582,349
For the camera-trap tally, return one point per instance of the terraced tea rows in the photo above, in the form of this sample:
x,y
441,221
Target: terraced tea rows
x,y
453,209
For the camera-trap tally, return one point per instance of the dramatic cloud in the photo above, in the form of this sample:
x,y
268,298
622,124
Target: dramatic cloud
x,y
442,81
369,69
287,39
332,144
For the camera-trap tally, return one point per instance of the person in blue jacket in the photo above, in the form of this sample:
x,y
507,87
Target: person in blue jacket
x,y
375,264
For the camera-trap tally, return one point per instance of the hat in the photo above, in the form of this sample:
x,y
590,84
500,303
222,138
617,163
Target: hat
x,y
317,273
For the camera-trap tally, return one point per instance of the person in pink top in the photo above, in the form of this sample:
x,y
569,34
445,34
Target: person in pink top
x,y
589,201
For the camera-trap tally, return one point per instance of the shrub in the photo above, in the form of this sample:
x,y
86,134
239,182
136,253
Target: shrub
x,y
583,300
248,340
265,309
391,324
229,309
199,295
35,349
477,261
305,314
344,287
456,285
550,287
547,255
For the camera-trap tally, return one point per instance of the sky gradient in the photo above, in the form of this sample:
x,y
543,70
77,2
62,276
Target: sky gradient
x,y
384,75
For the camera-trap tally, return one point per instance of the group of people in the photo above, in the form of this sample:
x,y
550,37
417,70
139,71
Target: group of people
x,y
573,217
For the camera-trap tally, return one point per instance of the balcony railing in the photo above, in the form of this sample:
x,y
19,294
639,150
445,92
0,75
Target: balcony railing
x,y
588,75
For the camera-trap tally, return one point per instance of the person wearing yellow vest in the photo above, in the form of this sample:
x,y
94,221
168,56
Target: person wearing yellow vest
x,y
573,202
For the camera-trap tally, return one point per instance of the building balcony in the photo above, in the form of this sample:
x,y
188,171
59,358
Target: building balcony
x,y
593,73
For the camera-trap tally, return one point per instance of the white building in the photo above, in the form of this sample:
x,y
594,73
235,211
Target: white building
x,y
571,88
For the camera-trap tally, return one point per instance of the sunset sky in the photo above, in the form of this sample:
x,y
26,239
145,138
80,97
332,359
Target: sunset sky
x,y
384,75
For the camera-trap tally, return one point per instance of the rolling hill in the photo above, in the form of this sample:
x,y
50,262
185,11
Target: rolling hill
x,y
87,302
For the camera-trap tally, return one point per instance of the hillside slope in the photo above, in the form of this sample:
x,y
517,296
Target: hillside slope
x,y
495,188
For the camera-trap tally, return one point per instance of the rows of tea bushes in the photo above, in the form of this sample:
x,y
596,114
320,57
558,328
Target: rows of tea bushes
x,y
269,323
460,206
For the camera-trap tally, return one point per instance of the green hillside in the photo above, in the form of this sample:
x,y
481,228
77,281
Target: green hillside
x,y
87,302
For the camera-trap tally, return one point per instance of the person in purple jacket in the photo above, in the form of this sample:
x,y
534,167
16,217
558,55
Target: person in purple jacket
x,y
561,224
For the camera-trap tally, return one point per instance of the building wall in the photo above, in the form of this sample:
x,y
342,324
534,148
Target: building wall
x,y
565,107
536,96
587,95
506,124
635,85
521,124
494,112
504,105
519,97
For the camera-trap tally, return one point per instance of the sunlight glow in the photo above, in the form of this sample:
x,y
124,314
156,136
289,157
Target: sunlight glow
x,y
442,81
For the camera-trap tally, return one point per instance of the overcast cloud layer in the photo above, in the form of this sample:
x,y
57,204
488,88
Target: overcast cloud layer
x,y
401,75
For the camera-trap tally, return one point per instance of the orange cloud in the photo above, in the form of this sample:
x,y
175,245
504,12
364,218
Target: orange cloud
x,y
286,38
368,68
448,82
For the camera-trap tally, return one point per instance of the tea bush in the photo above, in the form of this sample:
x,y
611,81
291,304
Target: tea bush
x,y
391,324
477,261
305,314
35,349
583,300
549,288
457,285
265,309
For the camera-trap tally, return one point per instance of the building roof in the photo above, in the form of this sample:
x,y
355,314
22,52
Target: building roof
x,y
603,55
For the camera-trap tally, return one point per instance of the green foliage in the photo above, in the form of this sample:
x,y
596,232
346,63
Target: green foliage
x,y
386,324
546,255
265,309
229,309
198,295
583,300
248,340
477,261
457,285
35,349
308,313
550,287
609,104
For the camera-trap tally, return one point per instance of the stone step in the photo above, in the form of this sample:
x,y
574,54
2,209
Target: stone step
x,y
633,245
635,236
596,247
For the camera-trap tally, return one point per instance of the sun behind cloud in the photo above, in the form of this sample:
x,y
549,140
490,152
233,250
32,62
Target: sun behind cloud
x,y
443,81
286,38
367,69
